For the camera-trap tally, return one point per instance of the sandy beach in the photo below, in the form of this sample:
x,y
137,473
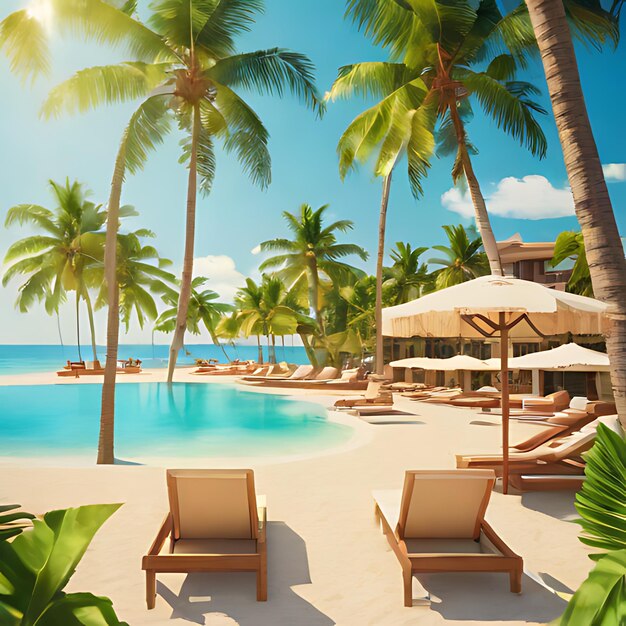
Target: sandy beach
x,y
328,561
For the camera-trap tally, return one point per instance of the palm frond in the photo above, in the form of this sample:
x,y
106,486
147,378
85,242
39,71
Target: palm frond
x,y
510,110
370,80
31,213
28,246
23,39
226,20
246,136
102,22
106,84
270,72
147,128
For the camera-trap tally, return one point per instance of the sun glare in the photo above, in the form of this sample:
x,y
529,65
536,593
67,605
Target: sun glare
x,y
41,10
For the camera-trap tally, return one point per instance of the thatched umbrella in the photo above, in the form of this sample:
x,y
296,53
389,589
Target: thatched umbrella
x,y
498,307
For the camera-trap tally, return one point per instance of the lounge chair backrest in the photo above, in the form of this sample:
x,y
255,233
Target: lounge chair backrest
x,y
445,503
570,446
349,375
579,403
608,420
301,371
373,390
213,504
561,399
327,373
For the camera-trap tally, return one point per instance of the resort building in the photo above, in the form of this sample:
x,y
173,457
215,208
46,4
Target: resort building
x,y
531,261
527,261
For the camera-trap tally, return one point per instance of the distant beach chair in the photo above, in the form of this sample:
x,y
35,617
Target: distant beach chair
x,y
437,524
216,523
372,396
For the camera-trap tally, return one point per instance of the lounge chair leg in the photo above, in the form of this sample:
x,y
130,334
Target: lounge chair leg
x,y
150,588
261,584
407,579
515,577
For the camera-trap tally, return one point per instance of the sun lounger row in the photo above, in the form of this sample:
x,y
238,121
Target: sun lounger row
x,y
436,523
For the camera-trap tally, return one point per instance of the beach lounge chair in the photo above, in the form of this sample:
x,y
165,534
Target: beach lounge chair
x,y
300,373
437,524
216,523
555,461
372,396
327,373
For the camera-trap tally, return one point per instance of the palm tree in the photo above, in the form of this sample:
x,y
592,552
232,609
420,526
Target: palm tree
x,y
570,245
140,274
58,260
263,309
604,250
433,49
312,254
193,77
202,311
463,261
407,278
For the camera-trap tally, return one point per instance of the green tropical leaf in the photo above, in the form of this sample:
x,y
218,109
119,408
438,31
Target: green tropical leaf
x,y
106,84
38,563
23,39
601,599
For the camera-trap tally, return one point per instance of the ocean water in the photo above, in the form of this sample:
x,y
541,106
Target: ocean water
x,y
23,359
154,419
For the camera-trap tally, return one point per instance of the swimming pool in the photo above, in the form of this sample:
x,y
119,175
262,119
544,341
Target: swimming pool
x,y
155,419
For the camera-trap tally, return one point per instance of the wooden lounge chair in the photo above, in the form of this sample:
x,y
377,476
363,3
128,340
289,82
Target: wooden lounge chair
x,y
216,523
372,396
302,372
437,524
553,460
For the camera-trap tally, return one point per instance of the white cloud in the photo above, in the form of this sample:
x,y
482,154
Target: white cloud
x,y
256,250
532,197
224,278
614,172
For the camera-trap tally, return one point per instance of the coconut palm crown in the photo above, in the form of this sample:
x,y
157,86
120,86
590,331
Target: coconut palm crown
x,y
312,252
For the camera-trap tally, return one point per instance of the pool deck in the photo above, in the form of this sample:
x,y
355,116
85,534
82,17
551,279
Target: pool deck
x,y
328,562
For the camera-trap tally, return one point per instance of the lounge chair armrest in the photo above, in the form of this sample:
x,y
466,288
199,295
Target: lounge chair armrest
x,y
496,540
262,526
166,529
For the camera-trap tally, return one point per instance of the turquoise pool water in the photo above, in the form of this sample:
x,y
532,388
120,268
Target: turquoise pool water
x,y
154,419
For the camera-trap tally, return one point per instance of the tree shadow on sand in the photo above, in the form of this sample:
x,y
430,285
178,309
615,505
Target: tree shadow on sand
x,y
234,594
485,597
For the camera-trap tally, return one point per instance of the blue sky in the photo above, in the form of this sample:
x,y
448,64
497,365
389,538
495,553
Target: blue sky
x,y
237,216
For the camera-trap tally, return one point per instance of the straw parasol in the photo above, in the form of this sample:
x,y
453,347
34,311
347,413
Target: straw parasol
x,y
496,306
568,357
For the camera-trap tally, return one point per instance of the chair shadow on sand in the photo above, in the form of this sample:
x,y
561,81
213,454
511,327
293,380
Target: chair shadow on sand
x,y
234,594
557,504
486,597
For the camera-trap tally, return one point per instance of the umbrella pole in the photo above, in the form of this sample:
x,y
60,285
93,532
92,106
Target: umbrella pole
x,y
504,377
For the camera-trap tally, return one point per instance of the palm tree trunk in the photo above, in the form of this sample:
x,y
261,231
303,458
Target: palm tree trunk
x,y
272,349
218,343
605,253
480,208
185,283
92,326
314,286
80,356
259,356
382,225
310,352
106,441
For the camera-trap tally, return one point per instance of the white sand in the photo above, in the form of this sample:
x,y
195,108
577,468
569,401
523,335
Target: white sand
x,y
328,562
